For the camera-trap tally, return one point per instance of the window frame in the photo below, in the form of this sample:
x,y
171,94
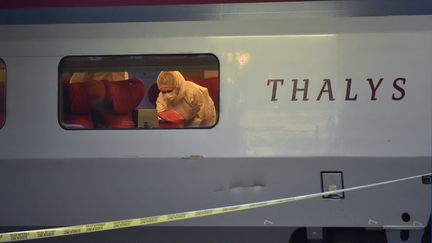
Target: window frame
x,y
159,67
4,99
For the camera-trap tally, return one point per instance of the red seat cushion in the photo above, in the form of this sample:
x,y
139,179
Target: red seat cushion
x,y
111,120
2,97
2,104
212,86
2,119
80,99
83,96
125,95
77,121
121,100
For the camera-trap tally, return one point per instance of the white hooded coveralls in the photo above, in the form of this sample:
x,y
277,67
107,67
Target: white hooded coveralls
x,y
190,100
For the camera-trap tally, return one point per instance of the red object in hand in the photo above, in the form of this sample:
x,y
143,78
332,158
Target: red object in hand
x,y
172,119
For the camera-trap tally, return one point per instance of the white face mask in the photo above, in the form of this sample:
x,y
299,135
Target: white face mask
x,y
170,96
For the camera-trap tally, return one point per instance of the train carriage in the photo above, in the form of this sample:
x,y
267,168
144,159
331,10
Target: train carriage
x,y
309,97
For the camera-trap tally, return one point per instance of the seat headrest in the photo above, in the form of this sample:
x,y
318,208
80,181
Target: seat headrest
x,y
125,95
83,96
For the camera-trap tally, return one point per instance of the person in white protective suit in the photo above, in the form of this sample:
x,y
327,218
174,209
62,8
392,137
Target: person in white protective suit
x,y
188,99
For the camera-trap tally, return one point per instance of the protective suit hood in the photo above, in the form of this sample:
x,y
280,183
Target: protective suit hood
x,y
172,79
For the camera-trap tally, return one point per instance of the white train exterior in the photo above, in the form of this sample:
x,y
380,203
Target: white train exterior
x,y
298,96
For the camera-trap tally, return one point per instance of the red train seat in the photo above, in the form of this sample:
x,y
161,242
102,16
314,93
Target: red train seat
x,y
2,103
212,86
80,99
122,98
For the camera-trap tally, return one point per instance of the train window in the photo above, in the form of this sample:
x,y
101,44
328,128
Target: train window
x,y
139,91
2,93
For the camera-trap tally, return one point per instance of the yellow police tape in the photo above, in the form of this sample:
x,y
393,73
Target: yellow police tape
x,y
111,225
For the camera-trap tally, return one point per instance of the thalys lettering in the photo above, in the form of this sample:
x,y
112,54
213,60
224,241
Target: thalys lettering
x,y
300,90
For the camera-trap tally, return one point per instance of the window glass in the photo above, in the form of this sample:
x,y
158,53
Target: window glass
x,y
2,93
139,91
